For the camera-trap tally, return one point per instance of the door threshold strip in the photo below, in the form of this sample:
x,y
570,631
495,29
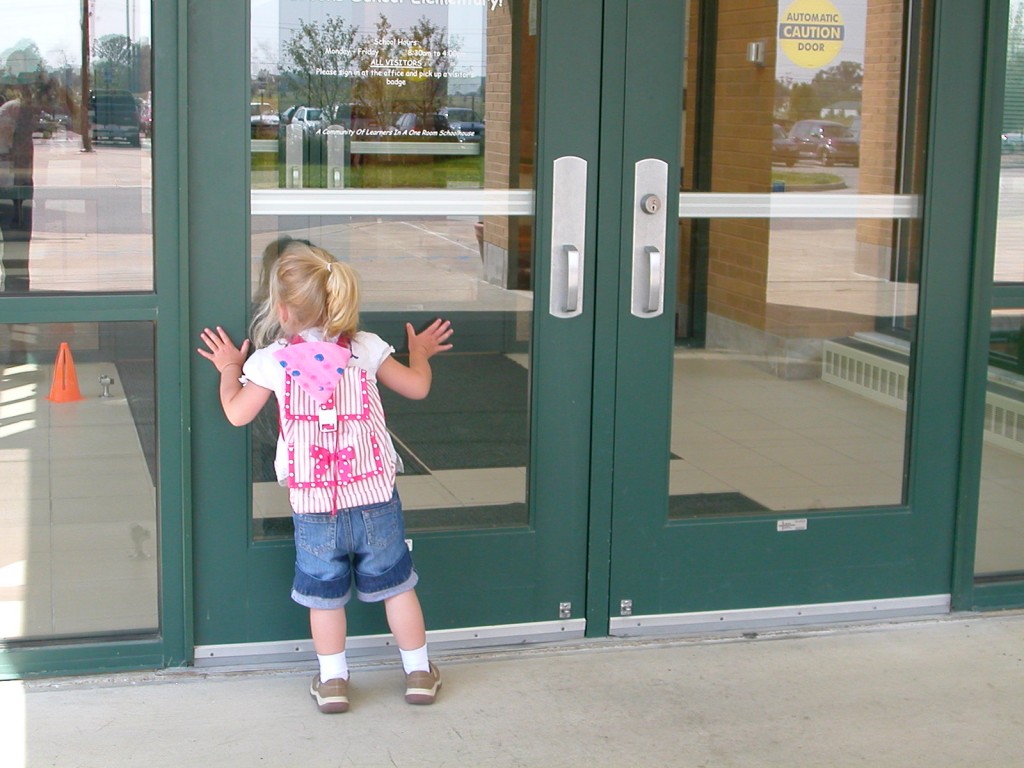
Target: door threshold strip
x,y
779,617
381,646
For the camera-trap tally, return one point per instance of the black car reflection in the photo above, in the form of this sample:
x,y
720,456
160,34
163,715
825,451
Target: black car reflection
x,y
449,123
828,142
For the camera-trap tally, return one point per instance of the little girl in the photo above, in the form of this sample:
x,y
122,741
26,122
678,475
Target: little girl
x,y
335,454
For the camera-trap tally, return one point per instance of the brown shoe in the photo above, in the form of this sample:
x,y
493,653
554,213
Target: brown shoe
x,y
422,687
332,696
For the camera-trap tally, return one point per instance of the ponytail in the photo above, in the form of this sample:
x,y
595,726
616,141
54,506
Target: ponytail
x,y
318,290
342,312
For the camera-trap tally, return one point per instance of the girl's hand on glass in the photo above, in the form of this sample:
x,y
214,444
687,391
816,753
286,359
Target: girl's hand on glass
x,y
430,340
221,351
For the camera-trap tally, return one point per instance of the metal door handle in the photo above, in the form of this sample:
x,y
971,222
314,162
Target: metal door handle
x,y
649,227
572,283
568,235
655,292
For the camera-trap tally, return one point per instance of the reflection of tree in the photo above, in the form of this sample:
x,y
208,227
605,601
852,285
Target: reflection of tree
x,y
429,90
23,61
416,83
373,91
842,82
803,102
118,62
321,53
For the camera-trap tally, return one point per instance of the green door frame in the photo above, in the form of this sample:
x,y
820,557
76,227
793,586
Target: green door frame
x,y
167,310
908,547
240,595
968,594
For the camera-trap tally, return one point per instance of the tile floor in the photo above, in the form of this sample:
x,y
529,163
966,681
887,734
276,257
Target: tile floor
x,y
78,531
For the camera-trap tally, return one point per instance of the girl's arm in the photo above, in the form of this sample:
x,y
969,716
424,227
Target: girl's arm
x,y
240,404
413,381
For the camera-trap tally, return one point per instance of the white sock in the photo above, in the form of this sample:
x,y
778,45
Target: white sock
x,y
333,666
415,661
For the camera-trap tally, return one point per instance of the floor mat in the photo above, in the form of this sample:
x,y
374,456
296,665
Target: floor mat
x,y
474,417
704,504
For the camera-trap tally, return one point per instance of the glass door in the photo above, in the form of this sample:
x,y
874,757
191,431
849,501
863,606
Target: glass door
x,y
420,143
771,305
999,552
91,533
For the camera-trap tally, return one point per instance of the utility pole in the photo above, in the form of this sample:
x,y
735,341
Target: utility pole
x,y
84,123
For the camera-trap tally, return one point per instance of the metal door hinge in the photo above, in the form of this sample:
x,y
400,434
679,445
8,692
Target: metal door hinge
x,y
625,608
565,610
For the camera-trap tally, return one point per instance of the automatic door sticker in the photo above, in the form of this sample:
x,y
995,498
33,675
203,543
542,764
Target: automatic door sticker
x,y
811,33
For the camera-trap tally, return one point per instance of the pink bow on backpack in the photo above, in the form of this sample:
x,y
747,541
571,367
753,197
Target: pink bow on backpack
x,y
342,460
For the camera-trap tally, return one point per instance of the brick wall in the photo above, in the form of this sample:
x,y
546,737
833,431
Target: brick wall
x,y
744,104
509,139
497,139
880,129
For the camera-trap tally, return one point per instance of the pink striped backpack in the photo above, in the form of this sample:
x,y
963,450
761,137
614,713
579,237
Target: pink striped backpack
x,y
339,454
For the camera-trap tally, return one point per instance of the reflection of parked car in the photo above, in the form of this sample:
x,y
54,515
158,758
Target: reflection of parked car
x,y
311,119
353,116
1013,142
828,142
784,149
413,122
286,116
263,120
49,123
114,116
466,122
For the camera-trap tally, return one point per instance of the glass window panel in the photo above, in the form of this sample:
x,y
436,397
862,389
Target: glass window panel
x,y
75,147
796,317
368,139
1000,545
79,555
799,401
1009,257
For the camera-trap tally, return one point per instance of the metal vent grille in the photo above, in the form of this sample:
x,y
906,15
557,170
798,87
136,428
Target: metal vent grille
x,y
869,375
885,380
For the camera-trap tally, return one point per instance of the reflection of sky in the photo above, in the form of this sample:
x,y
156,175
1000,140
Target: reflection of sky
x,y
273,20
854,15
55,25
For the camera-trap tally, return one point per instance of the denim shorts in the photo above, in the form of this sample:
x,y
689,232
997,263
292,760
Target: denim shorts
x,y
367,543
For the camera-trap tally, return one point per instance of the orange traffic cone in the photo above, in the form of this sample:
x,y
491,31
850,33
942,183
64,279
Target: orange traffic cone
x,y
65,382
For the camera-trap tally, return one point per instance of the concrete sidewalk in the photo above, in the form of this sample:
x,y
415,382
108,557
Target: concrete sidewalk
x,y
946,692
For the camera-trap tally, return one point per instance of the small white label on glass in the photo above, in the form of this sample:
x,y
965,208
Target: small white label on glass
x,y
782,526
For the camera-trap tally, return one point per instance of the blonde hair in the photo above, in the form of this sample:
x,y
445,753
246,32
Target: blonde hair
x,y
318,290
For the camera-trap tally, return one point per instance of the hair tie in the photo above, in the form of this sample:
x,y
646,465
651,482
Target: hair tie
x,y
328,265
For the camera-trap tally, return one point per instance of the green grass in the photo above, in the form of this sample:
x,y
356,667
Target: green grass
x,y
437,173
797,177
398,173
